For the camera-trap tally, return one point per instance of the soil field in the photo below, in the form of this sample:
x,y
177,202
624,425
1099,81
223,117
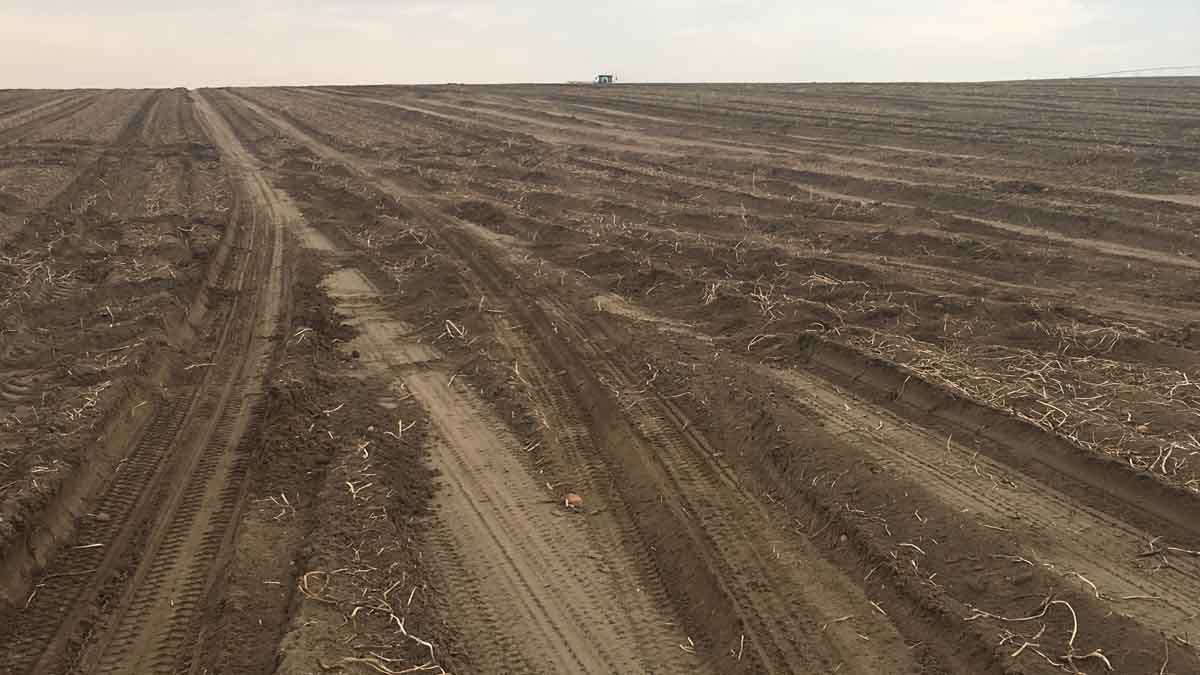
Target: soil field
x,y
571,379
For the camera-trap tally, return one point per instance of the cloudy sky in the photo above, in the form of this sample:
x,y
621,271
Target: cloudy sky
x,y
143,43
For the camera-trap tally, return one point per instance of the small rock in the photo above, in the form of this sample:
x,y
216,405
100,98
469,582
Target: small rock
x,y
102,517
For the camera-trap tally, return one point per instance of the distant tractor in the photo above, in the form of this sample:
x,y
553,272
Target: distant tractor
x,y
605,79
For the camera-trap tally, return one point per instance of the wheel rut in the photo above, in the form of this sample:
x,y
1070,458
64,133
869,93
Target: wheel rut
x,y
167,511
506,543
569,450
15,126
153,628
761,596
476,115
1049,529
779,597
733,379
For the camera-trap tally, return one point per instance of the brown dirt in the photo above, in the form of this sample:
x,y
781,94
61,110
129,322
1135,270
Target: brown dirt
x,y
850,379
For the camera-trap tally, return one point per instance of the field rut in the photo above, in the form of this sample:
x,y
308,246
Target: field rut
x,y
541,590
1048,529
122,599
170,587
771,603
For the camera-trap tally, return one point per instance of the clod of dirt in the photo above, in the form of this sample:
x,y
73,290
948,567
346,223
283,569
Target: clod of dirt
x,y
1021,187
479,212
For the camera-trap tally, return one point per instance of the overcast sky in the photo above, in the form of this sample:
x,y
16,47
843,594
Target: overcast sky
x,y
144,43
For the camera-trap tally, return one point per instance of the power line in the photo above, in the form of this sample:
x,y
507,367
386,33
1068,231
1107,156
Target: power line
x,y
1144,70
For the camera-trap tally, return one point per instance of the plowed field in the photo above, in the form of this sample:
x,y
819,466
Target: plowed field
x,y
574,379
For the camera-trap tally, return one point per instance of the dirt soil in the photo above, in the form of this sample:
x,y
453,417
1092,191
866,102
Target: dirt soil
x,y
739,378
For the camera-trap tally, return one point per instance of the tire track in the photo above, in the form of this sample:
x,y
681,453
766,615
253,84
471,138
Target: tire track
x,y
781,603
829,184
157,483
518,554
83,576
170,591
550,599
1049,527
152,629
572,452
651,422
625,562
16,125
71,581
21,561
868,124
497,513
780,589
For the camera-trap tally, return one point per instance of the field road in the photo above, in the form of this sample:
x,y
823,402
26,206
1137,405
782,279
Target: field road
x,y
573,379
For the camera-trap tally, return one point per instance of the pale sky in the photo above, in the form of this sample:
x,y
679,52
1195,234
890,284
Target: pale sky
x,y
152,43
